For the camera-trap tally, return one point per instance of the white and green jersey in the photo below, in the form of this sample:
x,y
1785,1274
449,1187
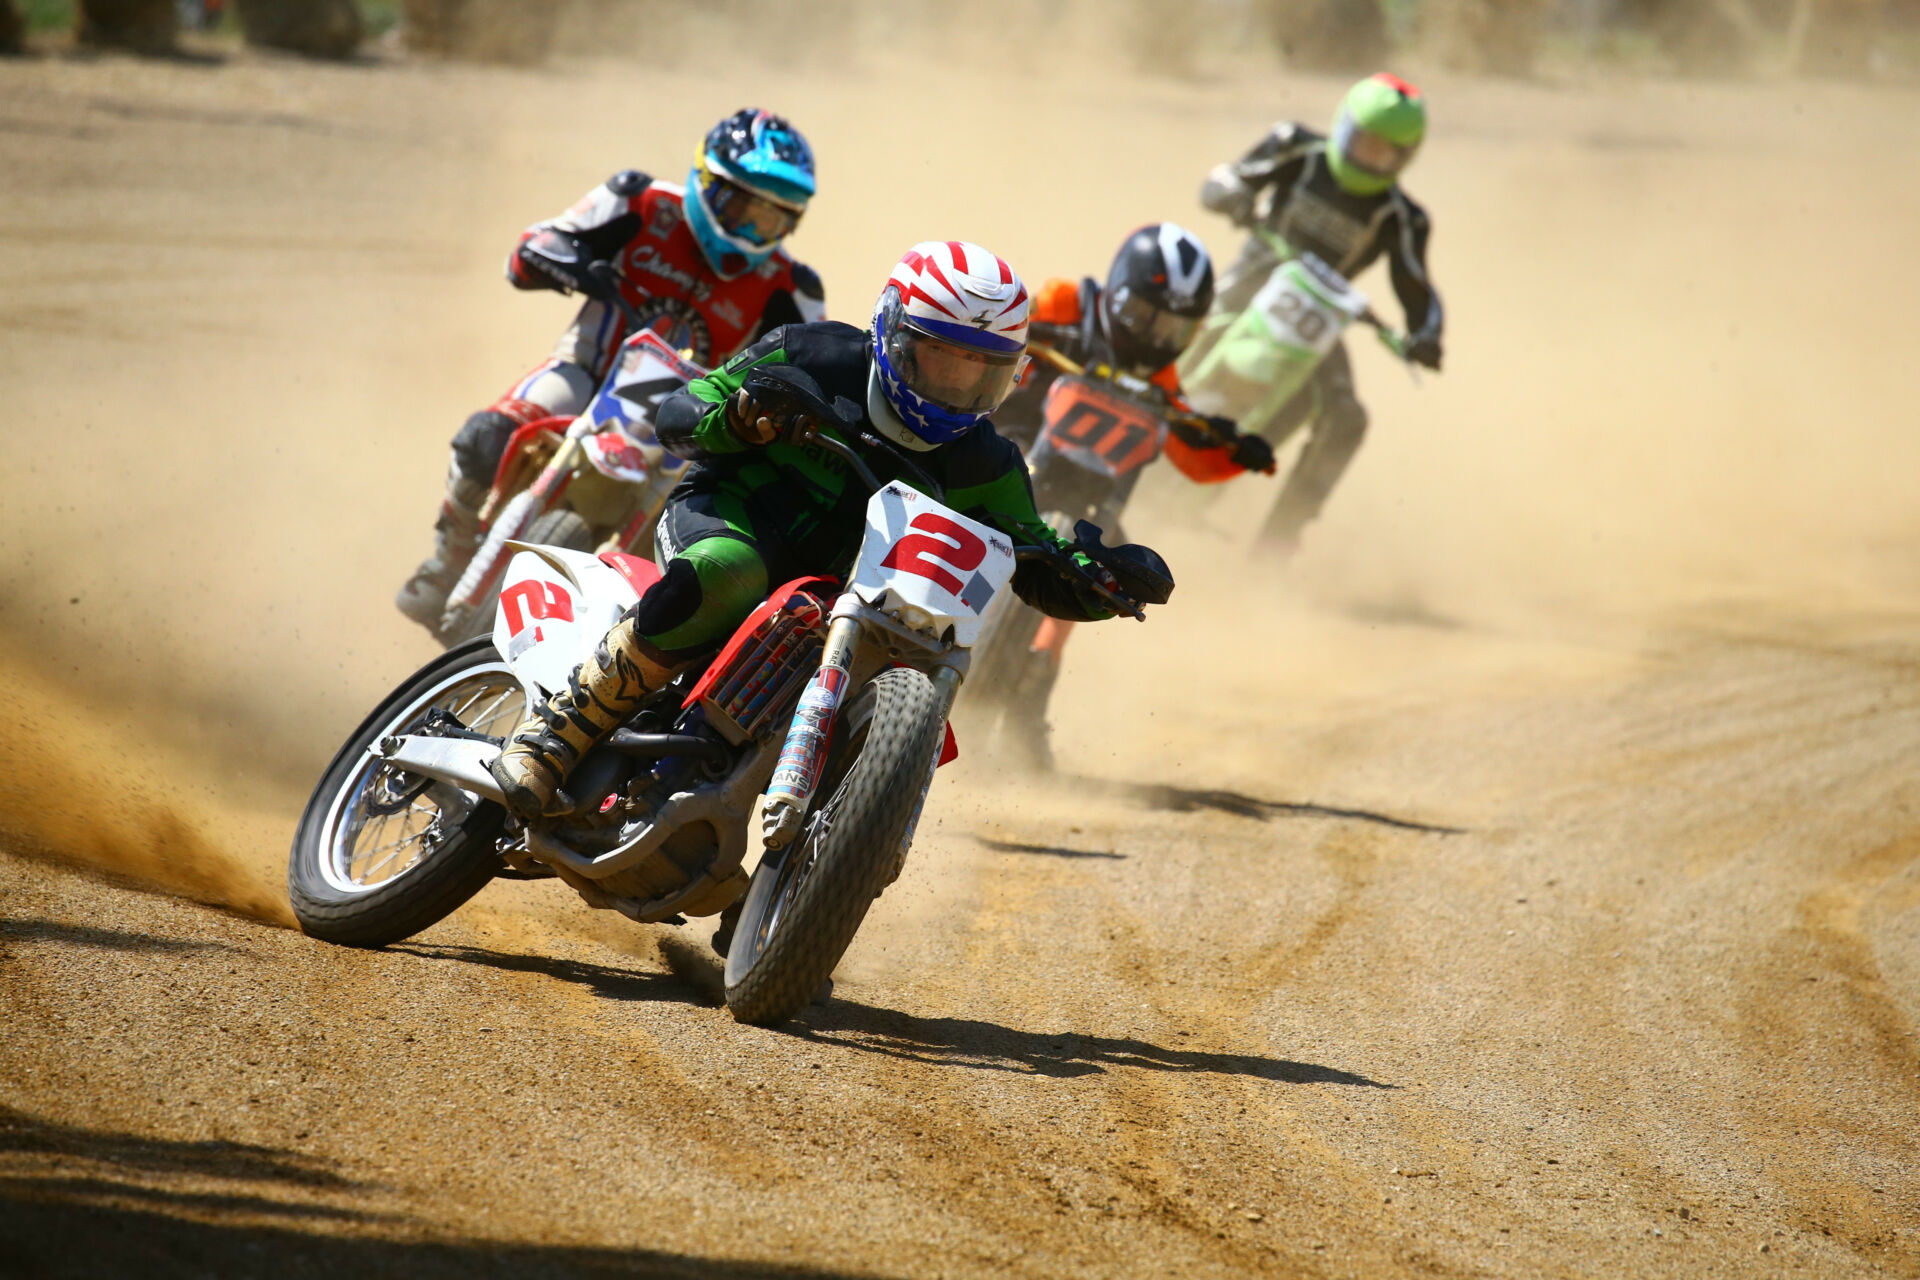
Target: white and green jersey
x,y
1283,186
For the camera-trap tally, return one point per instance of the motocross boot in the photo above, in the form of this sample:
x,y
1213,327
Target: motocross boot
x,y
456,536
602,691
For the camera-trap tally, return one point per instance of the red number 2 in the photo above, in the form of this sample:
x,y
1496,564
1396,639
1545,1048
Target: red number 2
x,y
533,598
916,552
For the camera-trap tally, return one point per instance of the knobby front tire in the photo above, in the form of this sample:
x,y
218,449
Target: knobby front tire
x,y
803,908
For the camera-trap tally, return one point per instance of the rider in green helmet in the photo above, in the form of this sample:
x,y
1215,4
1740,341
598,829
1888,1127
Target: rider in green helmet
x,y
1337,197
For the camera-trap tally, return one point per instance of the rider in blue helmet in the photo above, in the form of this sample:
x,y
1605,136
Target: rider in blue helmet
x,y
749,184
705,267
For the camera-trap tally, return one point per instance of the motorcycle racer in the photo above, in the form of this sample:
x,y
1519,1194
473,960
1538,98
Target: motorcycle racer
x,y
1158,289
764,502
1337,197
701,264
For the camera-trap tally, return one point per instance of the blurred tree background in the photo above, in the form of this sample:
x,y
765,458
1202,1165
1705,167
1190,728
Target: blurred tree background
x,y
1850,38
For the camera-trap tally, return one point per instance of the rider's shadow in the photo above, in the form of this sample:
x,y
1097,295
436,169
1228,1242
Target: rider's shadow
x,y
989,1046
604,981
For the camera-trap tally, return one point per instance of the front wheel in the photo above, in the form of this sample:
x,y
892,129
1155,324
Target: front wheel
x,y
806,903
380,853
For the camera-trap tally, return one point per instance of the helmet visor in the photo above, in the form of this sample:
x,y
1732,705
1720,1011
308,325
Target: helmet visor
x,y
1368,151
958,379
1153,327
748,214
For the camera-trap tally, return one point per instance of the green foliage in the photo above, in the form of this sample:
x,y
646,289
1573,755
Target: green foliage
x,y
48,15
381,16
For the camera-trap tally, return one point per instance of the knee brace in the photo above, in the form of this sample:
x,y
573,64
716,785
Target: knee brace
x,y
478,444
706,592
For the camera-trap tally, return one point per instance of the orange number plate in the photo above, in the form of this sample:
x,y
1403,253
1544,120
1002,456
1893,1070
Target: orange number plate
x,y
1099,427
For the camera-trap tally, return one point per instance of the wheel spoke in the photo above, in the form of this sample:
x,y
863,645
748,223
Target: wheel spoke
x,y
365,848
460,712
368,874
481,722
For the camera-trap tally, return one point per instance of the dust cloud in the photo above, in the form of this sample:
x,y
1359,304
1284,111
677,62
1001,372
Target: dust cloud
x,y
250,306
83,790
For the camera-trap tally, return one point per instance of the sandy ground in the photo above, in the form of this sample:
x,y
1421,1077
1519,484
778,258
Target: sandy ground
x,y
1526,883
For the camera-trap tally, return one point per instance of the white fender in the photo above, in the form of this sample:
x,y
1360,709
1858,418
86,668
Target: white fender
x,y
555,605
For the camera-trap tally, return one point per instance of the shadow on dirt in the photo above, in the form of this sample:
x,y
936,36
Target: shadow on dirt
x,y
1048,850
1184,800
81,935
53,1241
29,1144
603,980
988,1046
83,1202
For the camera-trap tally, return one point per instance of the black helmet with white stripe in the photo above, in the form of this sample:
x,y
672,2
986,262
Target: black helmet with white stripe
x,y
1158,291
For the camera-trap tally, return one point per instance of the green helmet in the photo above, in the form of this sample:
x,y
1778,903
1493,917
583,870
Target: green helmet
x,y
1380,125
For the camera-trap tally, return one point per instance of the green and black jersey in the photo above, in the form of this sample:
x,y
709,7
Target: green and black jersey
x,y
806,494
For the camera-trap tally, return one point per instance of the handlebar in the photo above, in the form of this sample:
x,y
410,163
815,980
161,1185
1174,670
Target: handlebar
x,y
851,456
1057,560
609,275
1065,565
807,395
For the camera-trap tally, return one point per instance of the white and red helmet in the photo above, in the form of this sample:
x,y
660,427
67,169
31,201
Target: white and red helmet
x,y
949,340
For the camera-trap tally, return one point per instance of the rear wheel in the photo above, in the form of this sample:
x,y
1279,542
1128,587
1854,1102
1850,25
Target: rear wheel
x,y
560,528
805,904
380,853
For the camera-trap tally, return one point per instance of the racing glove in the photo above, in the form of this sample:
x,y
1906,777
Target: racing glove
x,y
563,262
781,402
762,422
1252,453
1424,348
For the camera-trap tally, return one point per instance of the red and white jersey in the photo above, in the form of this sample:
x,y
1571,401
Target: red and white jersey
x,y
638,225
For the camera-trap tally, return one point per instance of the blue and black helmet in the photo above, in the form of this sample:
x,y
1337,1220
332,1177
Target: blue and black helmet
x,y
748,187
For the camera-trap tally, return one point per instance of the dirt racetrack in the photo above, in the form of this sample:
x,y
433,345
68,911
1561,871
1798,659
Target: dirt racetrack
x,y
1526,883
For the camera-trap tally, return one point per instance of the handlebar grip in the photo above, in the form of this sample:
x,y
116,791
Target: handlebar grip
x,y
1064,563
610,280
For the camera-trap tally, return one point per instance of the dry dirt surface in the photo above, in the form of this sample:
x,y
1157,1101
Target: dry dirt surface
x,y
1525,883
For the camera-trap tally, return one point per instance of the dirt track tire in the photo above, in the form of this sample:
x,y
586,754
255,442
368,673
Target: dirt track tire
x,y
803,909
448,872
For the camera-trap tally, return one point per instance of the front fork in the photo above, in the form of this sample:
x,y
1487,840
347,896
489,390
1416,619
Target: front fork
x,y
797,772
804,752
510,522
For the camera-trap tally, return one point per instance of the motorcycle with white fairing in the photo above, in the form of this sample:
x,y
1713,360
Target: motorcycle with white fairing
x,y
831,700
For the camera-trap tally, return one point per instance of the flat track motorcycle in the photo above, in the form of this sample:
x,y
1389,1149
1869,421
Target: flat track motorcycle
x,y
831,699
1252,365
1100,429
592,483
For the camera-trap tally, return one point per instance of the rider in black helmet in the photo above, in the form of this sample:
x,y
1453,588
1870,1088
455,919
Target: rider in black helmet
x,y
1157,292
